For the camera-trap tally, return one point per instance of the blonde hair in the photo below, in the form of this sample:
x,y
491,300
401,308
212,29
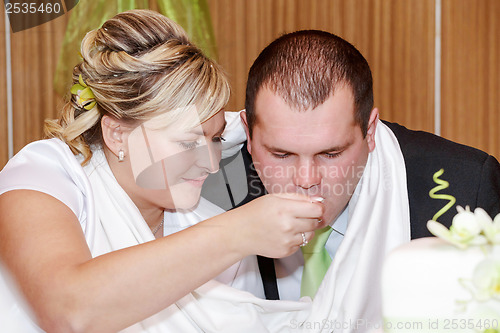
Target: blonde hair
x,y
139,64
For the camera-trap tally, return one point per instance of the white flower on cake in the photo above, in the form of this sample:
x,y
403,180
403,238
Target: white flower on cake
x,y
491,228
486,280
466,228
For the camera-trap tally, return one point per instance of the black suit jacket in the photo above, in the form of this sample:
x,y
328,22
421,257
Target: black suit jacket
x,y
473,176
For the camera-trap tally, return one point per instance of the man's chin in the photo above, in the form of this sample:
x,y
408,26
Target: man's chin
x,y
332,213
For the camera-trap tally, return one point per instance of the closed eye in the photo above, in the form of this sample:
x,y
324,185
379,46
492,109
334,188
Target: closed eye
x,y
332,155
280,155
189,144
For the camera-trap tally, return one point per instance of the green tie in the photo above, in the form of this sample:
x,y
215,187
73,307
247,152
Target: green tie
x,y
316,262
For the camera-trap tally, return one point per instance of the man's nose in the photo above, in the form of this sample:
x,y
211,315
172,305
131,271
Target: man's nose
x,y
307,174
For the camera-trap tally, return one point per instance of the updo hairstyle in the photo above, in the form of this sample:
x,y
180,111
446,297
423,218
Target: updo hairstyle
x,y
138,65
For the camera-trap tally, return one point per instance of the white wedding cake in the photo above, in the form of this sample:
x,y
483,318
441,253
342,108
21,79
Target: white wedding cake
x,y
446,284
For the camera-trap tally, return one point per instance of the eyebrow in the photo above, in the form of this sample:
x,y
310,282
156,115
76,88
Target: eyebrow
x,y
329,150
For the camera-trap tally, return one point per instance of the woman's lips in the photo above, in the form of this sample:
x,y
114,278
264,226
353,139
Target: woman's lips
x,y
195,181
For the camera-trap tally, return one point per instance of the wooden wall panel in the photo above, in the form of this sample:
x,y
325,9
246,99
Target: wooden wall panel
x,y
396,37
34,56
471,73
4,154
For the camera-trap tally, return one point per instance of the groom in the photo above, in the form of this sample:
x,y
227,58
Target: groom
x,y
312,129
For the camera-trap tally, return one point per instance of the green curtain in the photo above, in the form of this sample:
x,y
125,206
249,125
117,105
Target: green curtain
x,y
192,15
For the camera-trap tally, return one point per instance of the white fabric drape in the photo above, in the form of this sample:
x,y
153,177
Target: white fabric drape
x,y
379,221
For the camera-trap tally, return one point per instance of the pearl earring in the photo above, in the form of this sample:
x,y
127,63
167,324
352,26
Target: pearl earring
x,y
121,155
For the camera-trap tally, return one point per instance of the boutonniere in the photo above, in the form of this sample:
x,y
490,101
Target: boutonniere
x,y
442,184
467,228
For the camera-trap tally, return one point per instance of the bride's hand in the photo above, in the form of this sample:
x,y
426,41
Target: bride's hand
x,y
272,225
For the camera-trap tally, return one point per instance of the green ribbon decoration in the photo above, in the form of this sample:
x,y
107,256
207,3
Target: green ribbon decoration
x,y
442,184
192,15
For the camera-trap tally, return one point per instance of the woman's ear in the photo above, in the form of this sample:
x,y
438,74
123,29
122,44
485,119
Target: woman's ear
x,y
372,126
113,135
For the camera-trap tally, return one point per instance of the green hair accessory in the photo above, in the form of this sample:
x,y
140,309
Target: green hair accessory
x,y
85,98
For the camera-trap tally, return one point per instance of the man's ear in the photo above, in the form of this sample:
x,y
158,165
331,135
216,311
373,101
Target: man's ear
x,y
243,116
113,134
372,126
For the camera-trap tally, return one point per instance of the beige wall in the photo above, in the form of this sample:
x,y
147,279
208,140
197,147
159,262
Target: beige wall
x,y
471,73
396,36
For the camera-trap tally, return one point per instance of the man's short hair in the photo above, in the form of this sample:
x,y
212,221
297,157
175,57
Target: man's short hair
x,y
305,67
